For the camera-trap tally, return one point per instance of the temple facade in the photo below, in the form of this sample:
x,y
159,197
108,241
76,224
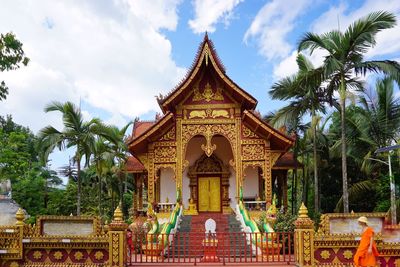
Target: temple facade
x,y
208,142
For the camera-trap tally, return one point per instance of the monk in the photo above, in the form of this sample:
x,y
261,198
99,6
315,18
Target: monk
x,y
366,252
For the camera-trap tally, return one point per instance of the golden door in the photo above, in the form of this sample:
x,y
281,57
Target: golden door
x,y
209,194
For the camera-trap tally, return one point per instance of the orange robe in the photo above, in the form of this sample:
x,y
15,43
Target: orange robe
x,y
362,257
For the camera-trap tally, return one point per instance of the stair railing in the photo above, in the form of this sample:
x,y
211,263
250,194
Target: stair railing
x,y
249,226
169,229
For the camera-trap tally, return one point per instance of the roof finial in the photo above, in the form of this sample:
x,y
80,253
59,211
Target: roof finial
x,y
206,36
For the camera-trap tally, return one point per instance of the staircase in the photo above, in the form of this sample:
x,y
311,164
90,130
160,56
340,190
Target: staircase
x,y
188,240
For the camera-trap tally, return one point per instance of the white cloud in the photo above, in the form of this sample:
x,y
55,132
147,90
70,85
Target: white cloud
x,y
338,17
210,12
288,66
388,41
272,24
109,53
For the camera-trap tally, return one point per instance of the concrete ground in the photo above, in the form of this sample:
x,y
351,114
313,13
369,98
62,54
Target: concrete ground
x,y
8,208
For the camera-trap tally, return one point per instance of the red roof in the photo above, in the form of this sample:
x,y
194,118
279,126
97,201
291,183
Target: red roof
x,y
140,127
133,165
287,161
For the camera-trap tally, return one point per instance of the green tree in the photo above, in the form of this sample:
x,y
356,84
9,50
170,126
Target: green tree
x,y
345,56
307,98
11,57
76,133
17,150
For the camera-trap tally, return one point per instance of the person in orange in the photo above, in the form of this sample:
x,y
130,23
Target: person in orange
x,y
366,252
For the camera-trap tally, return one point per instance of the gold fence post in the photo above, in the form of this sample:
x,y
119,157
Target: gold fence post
x,y
117,240
304,239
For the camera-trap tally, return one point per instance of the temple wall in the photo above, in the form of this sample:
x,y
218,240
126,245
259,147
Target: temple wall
x,y
167,185
250,184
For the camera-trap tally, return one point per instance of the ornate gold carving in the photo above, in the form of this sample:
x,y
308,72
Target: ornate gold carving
x,y
164,154
207,94
144,160
117,215
169,136
254,164
20,216
226,130
253,152
247,133
197,114
209,113
58,255
213,105
274,157
185,164
210,121
160,166
99,255
303,221
348,254
325,254
253,141
37,254
220,113
78,255
208,148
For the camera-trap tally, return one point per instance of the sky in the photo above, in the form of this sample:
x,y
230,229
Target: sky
x,y
112,57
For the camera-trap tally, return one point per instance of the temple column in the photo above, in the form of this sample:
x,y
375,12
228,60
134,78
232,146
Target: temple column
x,y
237,155
284,191
135,194
140,192
268,177
150,176
193,187
225,193
179,154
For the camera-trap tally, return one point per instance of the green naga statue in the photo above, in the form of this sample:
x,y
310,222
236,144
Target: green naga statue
x,y
152,225
270,217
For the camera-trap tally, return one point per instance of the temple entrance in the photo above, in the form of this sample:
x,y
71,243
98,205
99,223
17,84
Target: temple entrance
x,y
209,184
209,194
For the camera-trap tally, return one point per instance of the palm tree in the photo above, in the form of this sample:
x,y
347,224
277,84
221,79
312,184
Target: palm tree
x,y
76,133
102,161
345,57
306,98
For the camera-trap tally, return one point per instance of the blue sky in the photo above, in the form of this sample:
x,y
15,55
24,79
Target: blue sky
x,y
115,56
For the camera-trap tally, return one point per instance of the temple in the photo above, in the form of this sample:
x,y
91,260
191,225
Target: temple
x,y
208,143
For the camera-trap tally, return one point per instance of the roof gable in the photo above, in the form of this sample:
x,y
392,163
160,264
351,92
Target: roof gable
x,y
206,60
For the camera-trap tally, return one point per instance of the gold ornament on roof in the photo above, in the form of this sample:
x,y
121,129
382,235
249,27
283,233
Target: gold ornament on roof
x,y
207,94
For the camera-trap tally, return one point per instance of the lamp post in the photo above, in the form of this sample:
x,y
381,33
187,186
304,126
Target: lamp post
x,y
391,179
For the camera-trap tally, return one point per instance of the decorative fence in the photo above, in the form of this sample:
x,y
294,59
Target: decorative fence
x,y
337,239
63,241
221,247
83,241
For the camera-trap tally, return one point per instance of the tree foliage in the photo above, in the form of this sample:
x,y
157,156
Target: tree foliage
x,y
12,56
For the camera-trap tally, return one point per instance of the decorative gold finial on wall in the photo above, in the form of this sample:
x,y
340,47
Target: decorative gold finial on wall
x,y
20,216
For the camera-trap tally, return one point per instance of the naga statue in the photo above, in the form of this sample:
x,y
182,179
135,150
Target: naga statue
x,y
270,217
152,225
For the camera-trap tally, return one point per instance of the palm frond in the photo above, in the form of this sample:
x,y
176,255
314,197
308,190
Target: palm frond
x,y
357,190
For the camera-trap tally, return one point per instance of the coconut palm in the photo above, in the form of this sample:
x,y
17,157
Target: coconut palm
x,y
76,133
307,98
345,58
119,153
